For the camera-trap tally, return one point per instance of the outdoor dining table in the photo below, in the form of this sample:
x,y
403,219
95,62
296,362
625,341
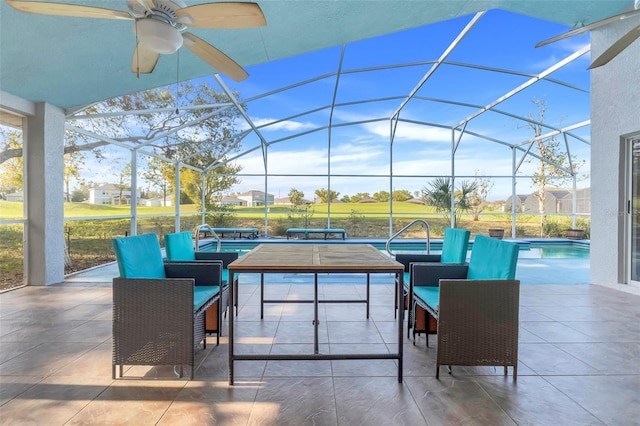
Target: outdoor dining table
x,y
315,259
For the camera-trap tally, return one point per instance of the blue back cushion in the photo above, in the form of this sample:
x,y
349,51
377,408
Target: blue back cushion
x,y
454,245
139,256
179,246
492,259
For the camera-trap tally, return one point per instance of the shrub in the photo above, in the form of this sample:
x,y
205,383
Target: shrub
x,y
554,229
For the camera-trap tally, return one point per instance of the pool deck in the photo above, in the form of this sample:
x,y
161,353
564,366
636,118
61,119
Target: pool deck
x,y
578,361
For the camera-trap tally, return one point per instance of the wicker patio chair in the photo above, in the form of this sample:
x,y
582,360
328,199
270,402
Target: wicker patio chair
x,y
454,252
159,309
179,247
479,303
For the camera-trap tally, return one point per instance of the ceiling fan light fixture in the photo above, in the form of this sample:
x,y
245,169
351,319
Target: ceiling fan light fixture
x,y
158,36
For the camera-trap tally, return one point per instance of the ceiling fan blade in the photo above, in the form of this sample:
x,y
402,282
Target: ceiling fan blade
x,y
214,57
62,9
616,48
589,27
144,60
222,15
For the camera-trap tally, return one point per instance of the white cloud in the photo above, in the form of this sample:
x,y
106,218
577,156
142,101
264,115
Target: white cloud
x,y
562,49
410,131
288,125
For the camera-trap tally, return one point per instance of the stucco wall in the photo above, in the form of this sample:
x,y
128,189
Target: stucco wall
x,y
615,112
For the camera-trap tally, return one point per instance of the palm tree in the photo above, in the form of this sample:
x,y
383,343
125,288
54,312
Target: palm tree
x,y
438,195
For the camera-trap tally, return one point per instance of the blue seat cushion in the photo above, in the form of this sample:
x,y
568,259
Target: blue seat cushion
x,y
225,276
455,245
492,259
429,295
201,294
179,247
139,256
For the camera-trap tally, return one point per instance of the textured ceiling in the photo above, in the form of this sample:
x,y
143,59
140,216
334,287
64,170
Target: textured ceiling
x,y
71,62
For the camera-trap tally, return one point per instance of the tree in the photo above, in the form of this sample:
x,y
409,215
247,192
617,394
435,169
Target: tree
x,y
199,137
401,195
296,196
551,160
323,195
124,182
360,196
381,196
204,145
478,197
438,195
463,198
11,170
72,163
155,173
300,214
214,186
77,196
9,151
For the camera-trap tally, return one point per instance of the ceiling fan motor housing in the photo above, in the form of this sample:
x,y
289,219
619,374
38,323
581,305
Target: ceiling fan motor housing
x,y
159,30
158,35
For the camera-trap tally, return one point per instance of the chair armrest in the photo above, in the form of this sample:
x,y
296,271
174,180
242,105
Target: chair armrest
x,y
207,273
430,273
407,258
155,297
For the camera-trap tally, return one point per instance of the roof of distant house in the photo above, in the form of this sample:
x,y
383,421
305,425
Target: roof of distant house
x,y
106,186
254,192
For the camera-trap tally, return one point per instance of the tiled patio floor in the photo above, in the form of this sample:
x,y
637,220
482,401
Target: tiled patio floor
x,y
579,364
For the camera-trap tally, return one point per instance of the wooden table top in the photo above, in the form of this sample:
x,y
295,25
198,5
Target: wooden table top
x,y
316,257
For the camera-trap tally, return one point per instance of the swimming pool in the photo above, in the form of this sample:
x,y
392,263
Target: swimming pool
x,y
529,249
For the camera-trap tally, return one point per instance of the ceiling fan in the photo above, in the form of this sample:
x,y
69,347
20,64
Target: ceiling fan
x,y
615,48
159,26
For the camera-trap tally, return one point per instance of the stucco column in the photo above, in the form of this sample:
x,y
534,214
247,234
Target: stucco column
x,y
44,164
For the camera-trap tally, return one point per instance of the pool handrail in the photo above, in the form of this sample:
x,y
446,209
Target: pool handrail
x,y
206,228
413,222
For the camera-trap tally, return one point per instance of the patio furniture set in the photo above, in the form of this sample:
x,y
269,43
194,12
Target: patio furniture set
x,y
163,308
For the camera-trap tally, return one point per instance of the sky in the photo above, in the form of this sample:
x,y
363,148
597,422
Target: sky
x,y
359,155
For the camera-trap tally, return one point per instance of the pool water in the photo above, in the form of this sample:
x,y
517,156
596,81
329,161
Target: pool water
x,y
554,249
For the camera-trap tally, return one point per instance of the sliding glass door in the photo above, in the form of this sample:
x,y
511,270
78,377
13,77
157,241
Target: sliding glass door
x,y
633,212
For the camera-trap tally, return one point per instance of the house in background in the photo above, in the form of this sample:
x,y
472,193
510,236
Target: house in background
x,y
555,201
232,200
108,194
286,201
256,198
17,196
156,202
583,202
520,206
551,201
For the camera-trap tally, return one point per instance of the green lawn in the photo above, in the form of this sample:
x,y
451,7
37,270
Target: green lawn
x,y
14,210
